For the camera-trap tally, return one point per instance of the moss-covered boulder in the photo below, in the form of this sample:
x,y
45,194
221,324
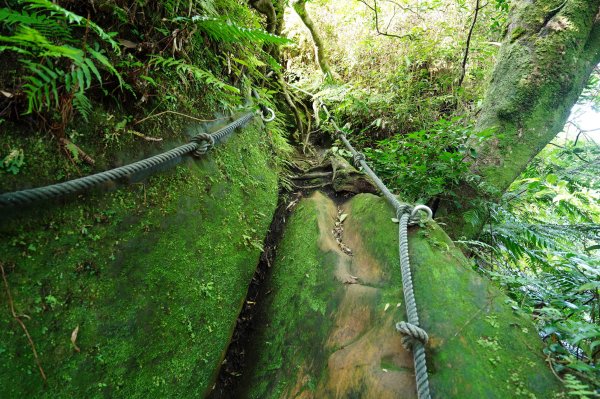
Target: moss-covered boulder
x,y
335,296
135,293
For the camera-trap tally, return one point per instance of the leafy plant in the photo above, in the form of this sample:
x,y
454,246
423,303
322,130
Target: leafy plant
x,y
227,31
187,71
13,162
424,163
541,245
59,72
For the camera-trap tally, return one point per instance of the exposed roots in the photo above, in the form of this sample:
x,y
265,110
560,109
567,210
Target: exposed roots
x,y
18,319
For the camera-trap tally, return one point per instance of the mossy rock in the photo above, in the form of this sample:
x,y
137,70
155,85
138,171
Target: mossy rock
x,y
328,321
153,275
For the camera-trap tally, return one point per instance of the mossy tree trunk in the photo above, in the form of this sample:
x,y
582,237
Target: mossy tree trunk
x,y
300,8
549,51
273,10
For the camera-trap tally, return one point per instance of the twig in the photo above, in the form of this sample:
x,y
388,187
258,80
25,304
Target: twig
x,y
18,319
309,176
404,8
577,155
85,157
374,9
147,138
549,361
176,113
466,56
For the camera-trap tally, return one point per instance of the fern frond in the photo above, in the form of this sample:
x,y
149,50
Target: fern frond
x,y
227,31
186,69
72,18
83,105
47,26
15,49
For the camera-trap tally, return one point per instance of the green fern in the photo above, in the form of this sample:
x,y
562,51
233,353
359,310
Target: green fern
x,y
83,105
186,70
227,31
42,23
72,18
44,35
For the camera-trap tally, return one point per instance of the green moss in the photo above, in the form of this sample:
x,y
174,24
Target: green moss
x,y
153,274
536,81
470,356
517,33
478,349
301,294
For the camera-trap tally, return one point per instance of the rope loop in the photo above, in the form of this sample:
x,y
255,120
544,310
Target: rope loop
x,y
414,217
205,142
264,111
358,157
412,334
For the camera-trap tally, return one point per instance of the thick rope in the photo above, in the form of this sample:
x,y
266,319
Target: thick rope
x,y
199,145
415,337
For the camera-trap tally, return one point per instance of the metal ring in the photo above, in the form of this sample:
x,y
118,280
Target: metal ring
x,y
270,118
418,208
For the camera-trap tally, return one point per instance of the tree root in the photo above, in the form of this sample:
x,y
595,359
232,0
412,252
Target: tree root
x,y
18,319
309,176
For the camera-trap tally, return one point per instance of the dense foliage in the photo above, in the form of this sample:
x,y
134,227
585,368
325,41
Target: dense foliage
x,y
543,246
118,64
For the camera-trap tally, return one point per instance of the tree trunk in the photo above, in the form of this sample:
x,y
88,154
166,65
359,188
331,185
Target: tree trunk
x,y
274,24
300,8
549,51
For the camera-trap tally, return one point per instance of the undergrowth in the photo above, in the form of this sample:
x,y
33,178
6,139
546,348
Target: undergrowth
x,y
64,60
542,244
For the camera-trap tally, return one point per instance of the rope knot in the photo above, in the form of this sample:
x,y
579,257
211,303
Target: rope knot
x,y
358,157
402,209
205,142
412,334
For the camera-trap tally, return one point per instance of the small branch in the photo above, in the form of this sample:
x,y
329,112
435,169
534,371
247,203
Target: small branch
x,y
404,8
376,13
577,155
84,156
466,56
549,361
18,319
309,176
312,187
147,138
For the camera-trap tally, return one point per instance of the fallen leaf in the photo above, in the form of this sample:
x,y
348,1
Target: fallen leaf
x,y
128,43
7,94
343,217
74,338
395,220
387,305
